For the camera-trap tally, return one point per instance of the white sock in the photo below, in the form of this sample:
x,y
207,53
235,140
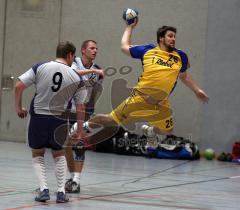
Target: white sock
x,y
61,172
70,175
76,177
151,131
40,170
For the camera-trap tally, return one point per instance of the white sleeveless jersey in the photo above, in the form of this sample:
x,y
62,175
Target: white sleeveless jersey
x,y
56,84
89,79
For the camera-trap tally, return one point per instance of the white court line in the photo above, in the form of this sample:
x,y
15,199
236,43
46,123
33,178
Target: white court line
x,y
234,177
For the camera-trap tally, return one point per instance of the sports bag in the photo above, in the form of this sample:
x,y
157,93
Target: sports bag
x,y
173,147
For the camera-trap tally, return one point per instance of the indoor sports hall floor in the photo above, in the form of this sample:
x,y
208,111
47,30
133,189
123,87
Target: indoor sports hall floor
x,y
111,181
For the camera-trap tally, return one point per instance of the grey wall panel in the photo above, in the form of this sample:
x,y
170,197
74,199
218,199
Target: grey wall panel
x,y
2,15
31,37
220,120
2,38
101,20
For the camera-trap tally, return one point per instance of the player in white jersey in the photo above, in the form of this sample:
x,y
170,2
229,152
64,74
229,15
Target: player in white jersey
x,y
92,75
56,84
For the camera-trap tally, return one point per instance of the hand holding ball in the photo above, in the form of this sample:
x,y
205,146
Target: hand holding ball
x,y
129,15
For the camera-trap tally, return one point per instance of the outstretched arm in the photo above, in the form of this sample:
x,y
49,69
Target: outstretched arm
x,y
126,38
100,72
189,82
19,88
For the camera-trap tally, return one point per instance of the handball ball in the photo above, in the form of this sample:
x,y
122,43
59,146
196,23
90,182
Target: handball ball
x,y
209,154
129,15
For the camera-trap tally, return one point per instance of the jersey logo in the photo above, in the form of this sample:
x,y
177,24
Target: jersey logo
x,y
169,63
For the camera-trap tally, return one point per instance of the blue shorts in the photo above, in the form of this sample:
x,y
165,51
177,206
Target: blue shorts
x,y
47,131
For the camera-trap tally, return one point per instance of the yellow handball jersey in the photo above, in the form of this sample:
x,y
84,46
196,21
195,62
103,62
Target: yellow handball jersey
x,y
160,69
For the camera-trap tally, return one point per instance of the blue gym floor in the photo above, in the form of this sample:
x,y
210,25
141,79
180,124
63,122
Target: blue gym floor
x,y
112,181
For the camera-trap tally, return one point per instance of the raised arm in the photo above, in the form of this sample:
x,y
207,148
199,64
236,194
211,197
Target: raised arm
x,y
126,38
190,83
90,71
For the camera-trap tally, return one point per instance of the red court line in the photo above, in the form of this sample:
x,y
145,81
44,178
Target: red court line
x,y
26,207
103,197
73,200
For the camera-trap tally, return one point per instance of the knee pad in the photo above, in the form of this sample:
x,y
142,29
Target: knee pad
x,y
79,150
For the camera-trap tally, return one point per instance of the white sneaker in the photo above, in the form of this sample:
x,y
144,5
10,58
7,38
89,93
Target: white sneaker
x,y
152,140
148,131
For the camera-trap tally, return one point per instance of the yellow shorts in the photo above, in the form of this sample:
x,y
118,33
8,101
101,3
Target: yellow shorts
x,y
136,109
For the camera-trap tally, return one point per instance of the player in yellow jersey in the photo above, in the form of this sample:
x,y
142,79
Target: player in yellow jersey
x,y
162,66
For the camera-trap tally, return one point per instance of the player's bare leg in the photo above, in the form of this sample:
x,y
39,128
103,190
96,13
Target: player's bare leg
x,y
75,165
101,120
101,127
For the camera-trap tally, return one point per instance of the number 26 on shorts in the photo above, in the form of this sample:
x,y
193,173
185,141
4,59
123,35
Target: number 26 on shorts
x,y
169,123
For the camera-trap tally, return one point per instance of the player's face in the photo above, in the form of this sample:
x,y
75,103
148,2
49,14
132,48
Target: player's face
x,y
90,52
169,40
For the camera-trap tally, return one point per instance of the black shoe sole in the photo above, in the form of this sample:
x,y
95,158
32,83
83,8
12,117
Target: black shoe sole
x,y
58,201
42,200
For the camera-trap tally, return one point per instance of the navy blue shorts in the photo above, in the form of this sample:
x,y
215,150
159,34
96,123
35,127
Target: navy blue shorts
x,y
46,131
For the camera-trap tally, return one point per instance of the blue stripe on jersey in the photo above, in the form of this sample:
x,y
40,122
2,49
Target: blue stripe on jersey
x,y
69,106
31,110
35,67
78,75
184,60
96,66
139,51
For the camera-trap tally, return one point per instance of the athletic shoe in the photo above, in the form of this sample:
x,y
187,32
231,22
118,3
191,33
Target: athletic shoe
x,y
61,198
152,138
43,196
147,131
68,184
72,187
222,157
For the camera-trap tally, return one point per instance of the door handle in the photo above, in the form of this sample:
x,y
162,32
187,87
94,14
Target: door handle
x,y
7,82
